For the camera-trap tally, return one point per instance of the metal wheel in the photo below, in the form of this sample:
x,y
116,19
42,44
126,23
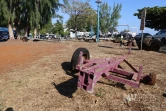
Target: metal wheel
x,y
74,59
24,39
150,79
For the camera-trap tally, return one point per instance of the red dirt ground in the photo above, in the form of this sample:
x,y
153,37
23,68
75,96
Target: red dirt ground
x,y
17,53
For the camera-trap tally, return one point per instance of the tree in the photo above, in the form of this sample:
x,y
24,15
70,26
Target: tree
x,y
58,28
27,14
109,19
90,20
75,9
40,13
3,13
7,14
155,17
125,30
47,28
85,22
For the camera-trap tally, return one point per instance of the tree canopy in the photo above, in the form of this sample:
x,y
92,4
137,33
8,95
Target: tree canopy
x,y
78,11
58,28
4,12
27,14
84,22
109,18
155,17
83,16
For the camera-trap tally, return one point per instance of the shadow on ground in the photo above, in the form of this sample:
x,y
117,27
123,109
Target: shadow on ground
x,y
105,46
66,66
3,41
164,94
163,52
68,87
118,85
136,48
163,49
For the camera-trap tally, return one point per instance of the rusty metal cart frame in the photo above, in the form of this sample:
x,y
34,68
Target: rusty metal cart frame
x,y
90,71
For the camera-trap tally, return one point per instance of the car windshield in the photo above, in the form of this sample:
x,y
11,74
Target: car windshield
x,y
160,32
140,34
147,34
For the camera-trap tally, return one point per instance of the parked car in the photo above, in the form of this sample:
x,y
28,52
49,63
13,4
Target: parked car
x,y
161,35
37,36
30,37
139,36
50,36
42,36
47,35
4,35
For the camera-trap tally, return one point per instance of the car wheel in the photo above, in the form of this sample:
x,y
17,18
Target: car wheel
x,y
74,59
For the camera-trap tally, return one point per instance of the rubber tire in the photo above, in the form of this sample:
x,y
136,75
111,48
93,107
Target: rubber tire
x,y
74,59
152,79
25,39
149,79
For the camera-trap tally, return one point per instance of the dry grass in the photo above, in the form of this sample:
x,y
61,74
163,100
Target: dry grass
x,y
48,84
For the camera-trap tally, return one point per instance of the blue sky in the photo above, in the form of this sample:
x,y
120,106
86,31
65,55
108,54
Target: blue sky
x,y
129,7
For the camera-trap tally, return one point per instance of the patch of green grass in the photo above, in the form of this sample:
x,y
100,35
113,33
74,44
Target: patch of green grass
x,y
100,93
1,107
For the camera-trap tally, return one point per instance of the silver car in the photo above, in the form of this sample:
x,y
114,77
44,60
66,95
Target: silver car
x,y
161,35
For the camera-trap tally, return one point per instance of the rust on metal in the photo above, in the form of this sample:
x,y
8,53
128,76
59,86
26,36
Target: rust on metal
x,y
90,71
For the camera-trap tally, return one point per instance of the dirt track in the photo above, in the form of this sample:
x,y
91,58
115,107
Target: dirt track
x,y
37,77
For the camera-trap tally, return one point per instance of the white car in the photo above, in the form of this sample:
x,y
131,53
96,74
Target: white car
x,y
133,34
50,36
47,35
161,35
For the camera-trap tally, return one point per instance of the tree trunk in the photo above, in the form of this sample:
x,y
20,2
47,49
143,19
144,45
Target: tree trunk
x,y
18,32
39,34
26,32
35,31
11,35
76,34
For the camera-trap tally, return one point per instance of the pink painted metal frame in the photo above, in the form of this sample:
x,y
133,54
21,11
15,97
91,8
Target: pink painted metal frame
x,y
90,71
